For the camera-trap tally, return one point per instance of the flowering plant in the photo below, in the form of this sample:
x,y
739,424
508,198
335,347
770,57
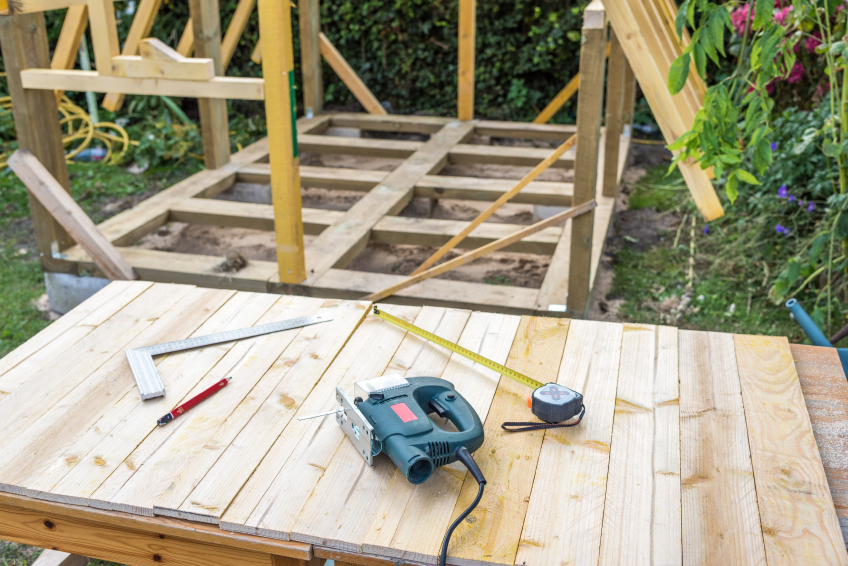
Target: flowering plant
x,y
734,134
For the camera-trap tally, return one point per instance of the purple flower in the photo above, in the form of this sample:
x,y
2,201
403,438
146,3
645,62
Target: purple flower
x,y
782,230
791,198
801,202
706,228
811,207
782,191
773,146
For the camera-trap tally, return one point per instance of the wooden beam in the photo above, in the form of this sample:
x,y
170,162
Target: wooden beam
x,y
68,213
23,40
465,81
217,88
135,67
104,34
390,230
430,186
503,199
349,76
214,125
235,30
186,45
140,28
614,115
309,14
33,6
342,241
589,105
70,38
56,558
484,250
278,70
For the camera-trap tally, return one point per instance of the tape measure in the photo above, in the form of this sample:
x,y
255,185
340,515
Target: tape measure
x,y
456,348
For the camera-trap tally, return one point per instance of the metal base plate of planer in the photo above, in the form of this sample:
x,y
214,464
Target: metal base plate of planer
x,y
356,427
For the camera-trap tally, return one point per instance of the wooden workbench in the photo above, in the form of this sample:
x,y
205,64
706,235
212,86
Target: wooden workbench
x,y
696,447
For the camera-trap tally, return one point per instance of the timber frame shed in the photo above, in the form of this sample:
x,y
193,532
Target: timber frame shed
x,y
145,66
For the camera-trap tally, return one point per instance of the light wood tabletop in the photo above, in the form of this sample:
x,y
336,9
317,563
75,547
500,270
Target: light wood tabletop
x,y
696,447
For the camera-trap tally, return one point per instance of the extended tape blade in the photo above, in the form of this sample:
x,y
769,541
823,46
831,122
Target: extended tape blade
x,y
456,348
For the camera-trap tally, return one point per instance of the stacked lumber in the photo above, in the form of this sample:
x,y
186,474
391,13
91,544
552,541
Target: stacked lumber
x,y
646,31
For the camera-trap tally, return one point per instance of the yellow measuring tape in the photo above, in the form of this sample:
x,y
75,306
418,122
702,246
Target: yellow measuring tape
x,y
503,370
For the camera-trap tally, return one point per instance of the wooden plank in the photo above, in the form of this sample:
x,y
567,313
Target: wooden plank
x,y
185,47
613,119
721,522
508,461
199,70
161,526
484,250
461,153
104,34
289,381
589,102
70,39
465,81
798,518
348,76
342,241
108,455
389,230
564,517
214,124
24,43
142,23
430,186
275,493
78,81
50,557
309,18
826,394
344,283
101,540
642,508
235,30
46,346
643,54
342,507
278,68
46,451
558,101
495,206
68,213
54,381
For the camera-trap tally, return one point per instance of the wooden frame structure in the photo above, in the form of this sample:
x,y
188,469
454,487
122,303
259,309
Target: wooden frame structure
x,y
319,269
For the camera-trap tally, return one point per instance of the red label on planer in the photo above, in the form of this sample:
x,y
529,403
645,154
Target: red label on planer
x,y
404,412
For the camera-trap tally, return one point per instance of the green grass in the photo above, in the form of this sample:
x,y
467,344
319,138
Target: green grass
x,y
729,291
22,283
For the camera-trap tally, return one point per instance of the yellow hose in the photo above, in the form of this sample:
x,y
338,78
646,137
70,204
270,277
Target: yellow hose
x,y
78,126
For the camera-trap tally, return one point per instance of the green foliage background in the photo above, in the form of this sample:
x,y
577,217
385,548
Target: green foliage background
x,y
406,51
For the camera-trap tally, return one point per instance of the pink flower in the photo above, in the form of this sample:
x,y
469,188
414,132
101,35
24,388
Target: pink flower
x,y
812,42
739,17
780,17
796,74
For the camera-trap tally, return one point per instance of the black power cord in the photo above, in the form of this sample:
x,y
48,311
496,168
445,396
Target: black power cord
x,y
464,456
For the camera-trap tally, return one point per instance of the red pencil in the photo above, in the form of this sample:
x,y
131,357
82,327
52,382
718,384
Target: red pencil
x,y
193,401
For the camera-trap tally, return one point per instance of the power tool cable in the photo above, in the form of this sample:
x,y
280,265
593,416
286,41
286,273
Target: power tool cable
x,y
464,456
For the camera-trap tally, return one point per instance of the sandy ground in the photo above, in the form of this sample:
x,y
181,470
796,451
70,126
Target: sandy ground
x,y
503,268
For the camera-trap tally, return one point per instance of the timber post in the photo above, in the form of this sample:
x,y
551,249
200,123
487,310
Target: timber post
x,y
309,14
278,70
467,39
214,124
614,114
23,39
589,102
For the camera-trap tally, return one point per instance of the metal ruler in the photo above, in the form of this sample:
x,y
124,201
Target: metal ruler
x,y
503,370
144,370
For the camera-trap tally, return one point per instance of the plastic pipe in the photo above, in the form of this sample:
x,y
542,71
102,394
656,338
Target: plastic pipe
x,y
814,333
